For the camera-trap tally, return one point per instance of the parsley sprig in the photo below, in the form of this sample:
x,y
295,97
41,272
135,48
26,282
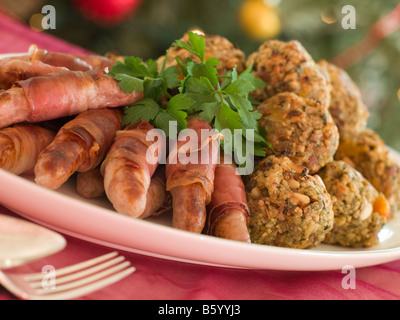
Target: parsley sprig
x,y
134,74
221,100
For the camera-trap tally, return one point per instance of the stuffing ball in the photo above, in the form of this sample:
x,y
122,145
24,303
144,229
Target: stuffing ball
x,y
299,129
287,66
215,46
346,107
368,154
360,211
288,207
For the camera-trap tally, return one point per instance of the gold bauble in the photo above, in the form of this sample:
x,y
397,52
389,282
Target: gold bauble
x,y
259,20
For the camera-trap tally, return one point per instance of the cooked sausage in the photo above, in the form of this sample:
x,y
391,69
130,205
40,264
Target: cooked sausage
x,y
80,145
74,62
60,94
126,170
21,145
90,185
14,69
192,184
228,212
158,199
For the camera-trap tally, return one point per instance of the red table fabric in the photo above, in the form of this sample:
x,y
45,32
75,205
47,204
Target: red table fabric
x,y
158,279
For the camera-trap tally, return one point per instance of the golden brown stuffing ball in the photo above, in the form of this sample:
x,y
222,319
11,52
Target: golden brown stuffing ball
x,y
347,108
360,210
368,154
287,66
215,46
299,129
288,207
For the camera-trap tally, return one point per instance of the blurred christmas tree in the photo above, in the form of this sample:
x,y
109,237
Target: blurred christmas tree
x,y
149,27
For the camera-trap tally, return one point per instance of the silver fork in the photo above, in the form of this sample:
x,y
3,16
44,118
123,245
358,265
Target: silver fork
x,y
70,282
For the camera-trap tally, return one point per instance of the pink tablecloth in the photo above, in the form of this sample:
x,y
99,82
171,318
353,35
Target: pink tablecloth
x,y
157,279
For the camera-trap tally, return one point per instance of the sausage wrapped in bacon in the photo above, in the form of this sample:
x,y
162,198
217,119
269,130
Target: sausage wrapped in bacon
x,y
90,185
158,199
228,214
21,145
40,62
74,62
126,170
80,145
61,94
192,184
20,68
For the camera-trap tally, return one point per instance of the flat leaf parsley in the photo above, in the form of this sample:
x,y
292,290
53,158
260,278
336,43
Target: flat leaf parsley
x,y
221,100
134,74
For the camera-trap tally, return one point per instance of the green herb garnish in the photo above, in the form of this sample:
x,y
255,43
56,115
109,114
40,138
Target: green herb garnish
x,y
221,100
138,75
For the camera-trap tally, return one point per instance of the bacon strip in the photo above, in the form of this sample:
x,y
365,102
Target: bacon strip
x,y
191,185
228,215
96,61
61,94
158,200
127,171
40,62
21,68
73,62
80,145
90,185
21,145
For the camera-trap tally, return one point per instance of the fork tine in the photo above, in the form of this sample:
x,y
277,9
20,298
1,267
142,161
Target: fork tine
x,y
84,273
102,272
73,268
77,275
85,281
79,292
